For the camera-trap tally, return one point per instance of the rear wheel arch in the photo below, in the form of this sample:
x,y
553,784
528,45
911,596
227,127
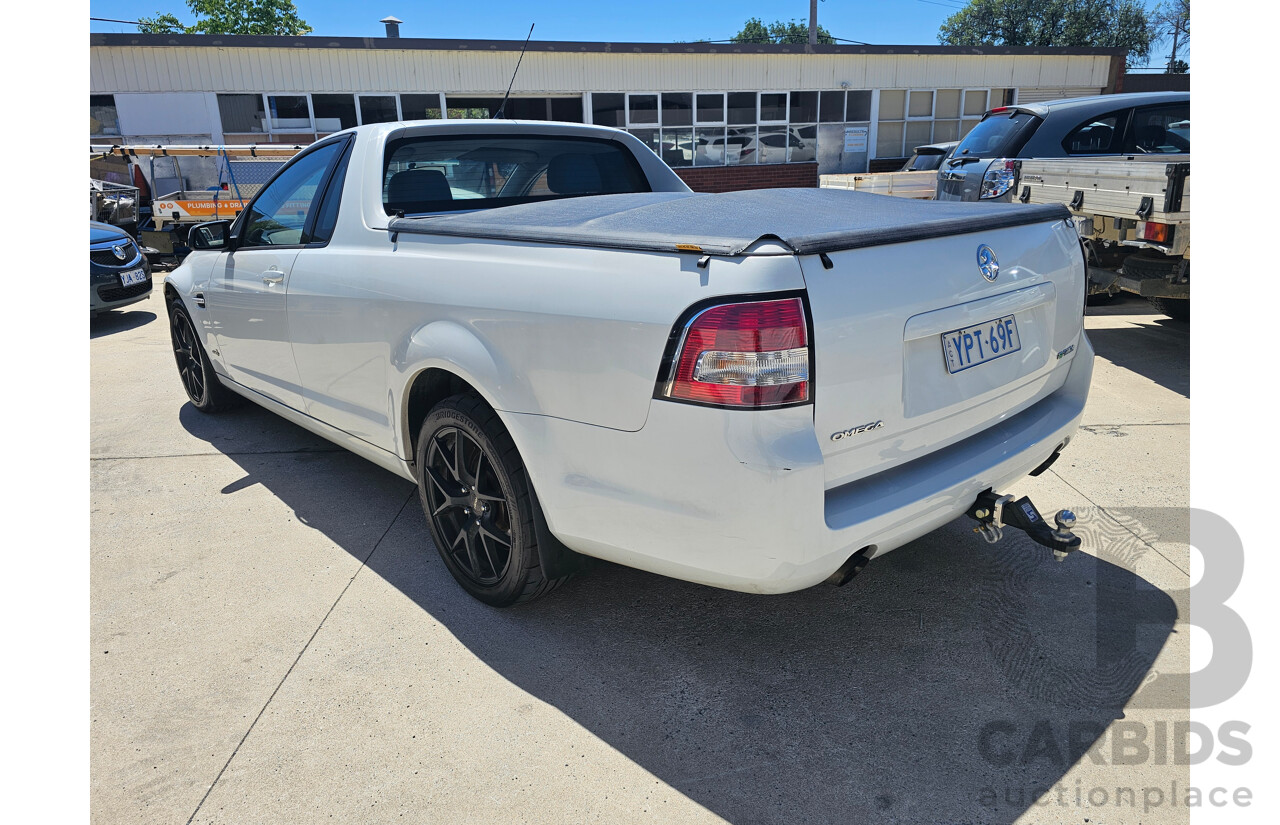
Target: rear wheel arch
x,y
425,392
428,388
445,354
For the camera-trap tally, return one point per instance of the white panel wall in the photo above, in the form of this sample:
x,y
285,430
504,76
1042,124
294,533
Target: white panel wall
x,y
168,113
1034,95
128,69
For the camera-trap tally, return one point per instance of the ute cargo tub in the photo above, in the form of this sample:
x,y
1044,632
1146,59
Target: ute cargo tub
x,y
806,221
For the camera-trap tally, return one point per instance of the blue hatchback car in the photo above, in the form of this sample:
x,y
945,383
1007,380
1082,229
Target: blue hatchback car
x,y
119,274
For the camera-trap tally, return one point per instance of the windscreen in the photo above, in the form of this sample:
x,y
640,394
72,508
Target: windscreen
x,y
997,136
450,173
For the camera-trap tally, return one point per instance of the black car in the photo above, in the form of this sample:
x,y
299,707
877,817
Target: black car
x,y
982,166
119,273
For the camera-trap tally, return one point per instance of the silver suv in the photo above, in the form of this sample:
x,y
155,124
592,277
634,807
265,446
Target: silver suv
x,y
982,166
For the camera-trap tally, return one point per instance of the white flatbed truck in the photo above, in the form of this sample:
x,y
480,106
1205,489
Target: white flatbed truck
x,y
1133,215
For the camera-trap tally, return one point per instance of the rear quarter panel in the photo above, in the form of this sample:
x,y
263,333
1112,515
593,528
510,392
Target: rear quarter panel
x,y
575,333
569,332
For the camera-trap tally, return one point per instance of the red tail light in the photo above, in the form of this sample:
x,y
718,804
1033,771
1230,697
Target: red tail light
x,y
1151,231
997,110
753,354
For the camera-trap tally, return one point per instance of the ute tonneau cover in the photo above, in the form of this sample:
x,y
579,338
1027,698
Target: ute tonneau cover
x,y
808,221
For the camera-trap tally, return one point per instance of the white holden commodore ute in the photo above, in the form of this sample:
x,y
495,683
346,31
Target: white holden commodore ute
x,y
573,355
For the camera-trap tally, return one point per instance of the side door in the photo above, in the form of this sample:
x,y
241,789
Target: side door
x,y
341,317
250,282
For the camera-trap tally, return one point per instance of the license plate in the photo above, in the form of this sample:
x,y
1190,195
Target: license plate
x,y
980,343
133,276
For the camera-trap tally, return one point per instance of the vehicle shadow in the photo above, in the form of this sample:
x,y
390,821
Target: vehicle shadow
x,y
1159,351
953,681
109,323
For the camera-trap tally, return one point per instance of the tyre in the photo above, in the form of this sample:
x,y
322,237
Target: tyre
x,y
1150,265
476,496
198,378
1179,309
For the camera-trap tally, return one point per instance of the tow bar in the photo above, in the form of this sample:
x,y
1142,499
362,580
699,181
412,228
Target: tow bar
x,y
993,513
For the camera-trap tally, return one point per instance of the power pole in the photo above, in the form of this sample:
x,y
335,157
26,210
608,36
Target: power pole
x,y
1173,55
813,23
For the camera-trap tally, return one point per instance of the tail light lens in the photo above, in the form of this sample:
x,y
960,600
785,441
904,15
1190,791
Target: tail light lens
x,y
1151,231
999,178
753,354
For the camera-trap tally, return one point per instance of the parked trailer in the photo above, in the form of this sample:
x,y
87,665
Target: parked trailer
x,y
918,178
898,184
1133,215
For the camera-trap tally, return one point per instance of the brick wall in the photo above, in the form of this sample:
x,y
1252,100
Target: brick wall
x,y
764,176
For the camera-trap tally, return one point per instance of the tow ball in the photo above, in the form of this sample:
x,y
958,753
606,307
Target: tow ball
x,y
994,513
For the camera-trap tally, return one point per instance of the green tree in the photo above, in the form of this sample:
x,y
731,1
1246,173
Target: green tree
x,y
794,31
1122,24
161,24
231,17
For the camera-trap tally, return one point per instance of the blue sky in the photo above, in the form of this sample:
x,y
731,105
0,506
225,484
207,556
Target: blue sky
x,y
870,21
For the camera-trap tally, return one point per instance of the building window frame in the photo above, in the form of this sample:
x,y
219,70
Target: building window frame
x,y
786,107
315,118
653,134
656,123
360,113
724,109
967,121
266,116
268,121
964,121
444,113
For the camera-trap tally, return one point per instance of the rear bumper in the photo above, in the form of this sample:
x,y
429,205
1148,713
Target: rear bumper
x,y
736,499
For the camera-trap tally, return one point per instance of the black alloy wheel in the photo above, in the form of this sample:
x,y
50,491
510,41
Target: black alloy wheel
x,y
479,502
203,387
468,507
186,352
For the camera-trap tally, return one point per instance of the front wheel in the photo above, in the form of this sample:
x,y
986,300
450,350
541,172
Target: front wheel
x,y
204,390
475,494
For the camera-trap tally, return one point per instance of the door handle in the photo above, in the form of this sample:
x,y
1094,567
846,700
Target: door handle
x,y
272,277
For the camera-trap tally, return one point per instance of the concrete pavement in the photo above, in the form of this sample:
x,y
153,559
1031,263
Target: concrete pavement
x,y
274,639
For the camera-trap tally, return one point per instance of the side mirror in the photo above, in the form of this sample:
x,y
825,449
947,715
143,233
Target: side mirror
x,y
212,235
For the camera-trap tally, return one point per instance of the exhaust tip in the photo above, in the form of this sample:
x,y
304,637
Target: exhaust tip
x,y
852,567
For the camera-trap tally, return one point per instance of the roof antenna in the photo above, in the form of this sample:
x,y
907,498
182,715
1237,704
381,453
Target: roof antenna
x,y
498,114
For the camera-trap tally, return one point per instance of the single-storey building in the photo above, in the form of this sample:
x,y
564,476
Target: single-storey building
x,y
726,116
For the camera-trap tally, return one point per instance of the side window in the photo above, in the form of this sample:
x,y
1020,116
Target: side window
x,y
327,214
1161,130
1096,136
279,214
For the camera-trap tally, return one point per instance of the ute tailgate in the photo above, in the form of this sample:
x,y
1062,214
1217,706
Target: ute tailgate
x,y
886,391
